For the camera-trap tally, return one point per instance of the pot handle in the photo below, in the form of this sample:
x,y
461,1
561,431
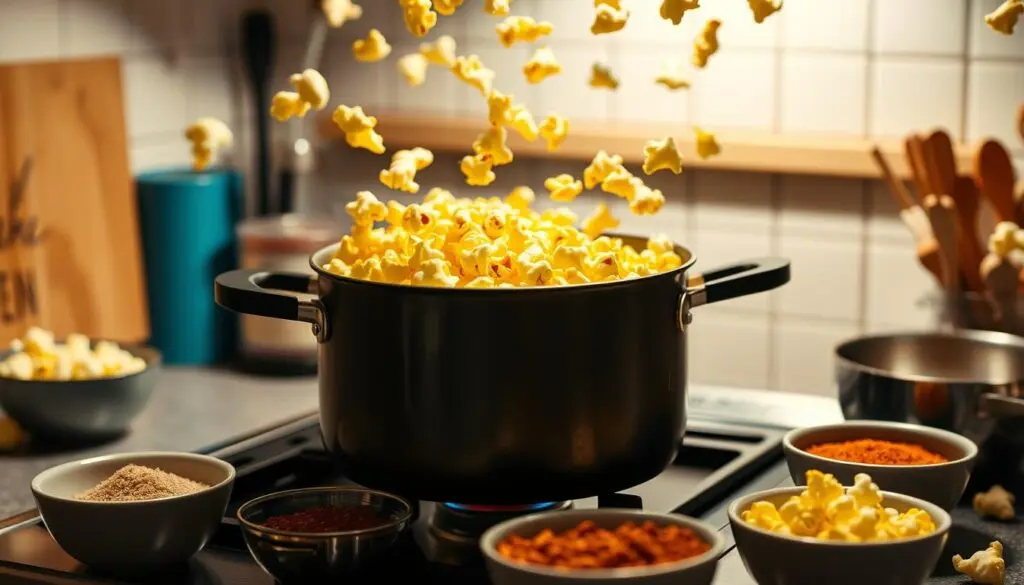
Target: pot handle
x,y
729,282
249,292
998,406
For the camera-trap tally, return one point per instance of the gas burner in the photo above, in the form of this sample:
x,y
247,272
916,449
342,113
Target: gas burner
x,y
455,529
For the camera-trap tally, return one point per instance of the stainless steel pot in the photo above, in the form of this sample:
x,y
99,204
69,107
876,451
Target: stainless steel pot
x,y
501,396
966,381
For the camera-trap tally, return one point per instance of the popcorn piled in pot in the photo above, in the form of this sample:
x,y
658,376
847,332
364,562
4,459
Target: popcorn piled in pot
x,y
827,511
488,243
37,356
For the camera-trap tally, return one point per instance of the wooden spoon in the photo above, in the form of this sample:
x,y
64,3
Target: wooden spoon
x,y
1020,122
941,162
942,213
965,196
913,147
994,176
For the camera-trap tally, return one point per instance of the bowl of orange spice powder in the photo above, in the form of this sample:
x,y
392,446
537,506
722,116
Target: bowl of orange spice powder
x,y
918,461
596,546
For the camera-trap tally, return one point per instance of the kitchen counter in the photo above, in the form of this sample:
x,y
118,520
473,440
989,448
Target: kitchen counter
x,y
191,409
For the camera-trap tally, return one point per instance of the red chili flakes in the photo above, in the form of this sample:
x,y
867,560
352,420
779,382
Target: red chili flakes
x,y
588,547
327,519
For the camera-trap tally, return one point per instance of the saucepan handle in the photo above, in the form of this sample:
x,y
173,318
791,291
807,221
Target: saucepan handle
x,y
250,292
1000,407
737,280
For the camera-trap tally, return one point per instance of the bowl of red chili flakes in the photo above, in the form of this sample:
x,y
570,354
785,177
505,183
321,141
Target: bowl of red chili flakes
x,y
322,534
923,462
597,546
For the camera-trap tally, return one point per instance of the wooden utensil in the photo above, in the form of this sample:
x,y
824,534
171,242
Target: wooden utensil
x,y
70,256
994,176
941,162
913,147
1002,279
942,213
966,198
1020,122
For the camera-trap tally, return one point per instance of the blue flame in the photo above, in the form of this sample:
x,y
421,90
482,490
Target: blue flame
x,y
524,508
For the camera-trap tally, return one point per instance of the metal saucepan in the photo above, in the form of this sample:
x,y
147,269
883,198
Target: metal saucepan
x,y
969,382
501,396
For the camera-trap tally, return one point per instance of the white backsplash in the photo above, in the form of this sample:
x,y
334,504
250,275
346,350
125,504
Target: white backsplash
x,y
857,67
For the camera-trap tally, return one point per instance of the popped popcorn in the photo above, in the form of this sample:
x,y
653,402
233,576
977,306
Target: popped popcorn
x,y
447,7
497,7
446,241
662,154
675,9
478,169
38,356
563,188
1004,18
413,68
707,145
825,511
541,65
373,48
338,12
418,16
646,201
671,76
600,167
706,43
440,52
985,567
401,174
762,9
609,17
286,105
492,144
208,136
312,88
995,503
554,130
358,128
472,71
1006,237
522,29
601,77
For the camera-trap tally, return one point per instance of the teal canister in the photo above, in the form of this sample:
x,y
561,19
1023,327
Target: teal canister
x,y
187,220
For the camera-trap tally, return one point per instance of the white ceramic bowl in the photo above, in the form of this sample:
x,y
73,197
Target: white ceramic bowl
x,y
130,537
699,570
941,483
775,559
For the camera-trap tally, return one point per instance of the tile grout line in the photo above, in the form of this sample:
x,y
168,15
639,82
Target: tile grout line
x,y
965,60
869,69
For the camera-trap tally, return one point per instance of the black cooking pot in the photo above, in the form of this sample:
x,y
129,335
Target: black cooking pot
x,y
500,396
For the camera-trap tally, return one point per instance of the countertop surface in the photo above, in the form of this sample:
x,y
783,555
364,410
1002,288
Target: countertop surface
x,y
191,409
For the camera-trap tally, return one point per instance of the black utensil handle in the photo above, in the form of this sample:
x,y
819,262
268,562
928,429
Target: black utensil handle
x,y
259,45
246,291
286,191
744,278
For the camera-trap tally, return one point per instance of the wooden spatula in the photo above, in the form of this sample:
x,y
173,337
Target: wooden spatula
x,y
994,176
913,147
965,196
941,162
942,213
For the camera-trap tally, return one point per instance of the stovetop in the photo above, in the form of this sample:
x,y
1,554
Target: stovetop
x,y
717,462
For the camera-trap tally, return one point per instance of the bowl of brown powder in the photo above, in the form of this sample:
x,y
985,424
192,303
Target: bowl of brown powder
x,y
133,512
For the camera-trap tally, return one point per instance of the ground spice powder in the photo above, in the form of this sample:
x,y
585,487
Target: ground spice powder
x,y
327,519
877,452
589,547
133,483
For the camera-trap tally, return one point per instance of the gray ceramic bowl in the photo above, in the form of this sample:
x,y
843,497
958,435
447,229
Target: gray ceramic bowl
x,y
128,537
299,557
774,559
699,570
81,410
941,484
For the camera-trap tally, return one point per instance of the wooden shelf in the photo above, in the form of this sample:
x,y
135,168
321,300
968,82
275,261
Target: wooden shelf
x,y
741,151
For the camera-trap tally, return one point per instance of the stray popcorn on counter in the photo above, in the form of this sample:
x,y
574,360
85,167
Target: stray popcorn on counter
x,y
609,17
996,503
762,9
662,154
358,128
401,174
707,145
827,511
563,188
413,68
706,43
371,49
985,567
418,16
522,29
37,356
440,52
672,77
338,12
601,77
1004,18
554,130
674,10
208,137
541,65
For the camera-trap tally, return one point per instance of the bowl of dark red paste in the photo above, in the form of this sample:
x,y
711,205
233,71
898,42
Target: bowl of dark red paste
x,y
598,546
923,462
313,534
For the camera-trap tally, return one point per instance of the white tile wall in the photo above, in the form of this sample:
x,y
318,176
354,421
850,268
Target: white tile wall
x,y
856,67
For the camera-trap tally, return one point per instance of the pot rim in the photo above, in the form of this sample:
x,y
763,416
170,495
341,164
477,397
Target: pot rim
x,y
690,260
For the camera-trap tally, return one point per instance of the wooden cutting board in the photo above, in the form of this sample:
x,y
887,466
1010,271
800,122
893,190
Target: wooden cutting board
x,y
70,257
